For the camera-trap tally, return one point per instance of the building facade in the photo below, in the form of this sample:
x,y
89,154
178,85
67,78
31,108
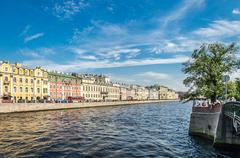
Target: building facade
x,y
163,92
153,94
123,92
167,94
142,93
21,84
64,85
131,93
99,88
172,95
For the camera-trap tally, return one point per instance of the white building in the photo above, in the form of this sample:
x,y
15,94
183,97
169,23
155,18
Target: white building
x,y
99,88
123,92
153,94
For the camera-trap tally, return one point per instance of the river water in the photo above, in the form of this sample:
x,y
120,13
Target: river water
x,y
150,130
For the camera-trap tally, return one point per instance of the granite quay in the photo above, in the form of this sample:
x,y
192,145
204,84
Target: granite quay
x,y
31,107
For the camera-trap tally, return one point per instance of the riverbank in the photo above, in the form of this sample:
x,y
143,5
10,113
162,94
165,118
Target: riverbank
x,y
33,107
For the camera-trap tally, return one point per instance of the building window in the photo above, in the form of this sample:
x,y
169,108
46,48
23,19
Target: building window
x,y
6,89
26,80
20,80
26,90
32,90
14,70
6,69
21,90
38,90
15,89
38,82
14,79
6,78
44,90
32,81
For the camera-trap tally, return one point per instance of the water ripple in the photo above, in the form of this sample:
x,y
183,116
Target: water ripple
x,y
153,130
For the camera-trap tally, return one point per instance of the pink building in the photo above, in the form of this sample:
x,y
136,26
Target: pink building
x,y
64,85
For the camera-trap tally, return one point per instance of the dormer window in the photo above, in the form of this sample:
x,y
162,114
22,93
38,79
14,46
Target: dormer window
x,y
6,69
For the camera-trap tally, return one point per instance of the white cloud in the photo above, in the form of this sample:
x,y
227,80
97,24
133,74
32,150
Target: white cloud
x,y
68,8
219,28
150,78
88,57
25,30
154,75
37,53
81,65
33,37
29,53
105,53
181,11
76,50
236,11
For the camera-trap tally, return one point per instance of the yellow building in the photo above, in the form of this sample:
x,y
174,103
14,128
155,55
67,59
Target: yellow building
x,y
18,83
163,93
167,94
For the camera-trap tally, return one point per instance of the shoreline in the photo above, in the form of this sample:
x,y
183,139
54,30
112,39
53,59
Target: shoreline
x,y
7,108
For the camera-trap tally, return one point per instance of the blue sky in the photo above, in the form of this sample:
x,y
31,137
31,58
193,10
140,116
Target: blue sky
x,y
133,41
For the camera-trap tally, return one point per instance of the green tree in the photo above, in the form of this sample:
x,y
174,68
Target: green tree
x,y
231,89
237,83
206,68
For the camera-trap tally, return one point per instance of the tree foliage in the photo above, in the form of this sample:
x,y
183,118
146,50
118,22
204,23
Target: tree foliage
x,y
206,68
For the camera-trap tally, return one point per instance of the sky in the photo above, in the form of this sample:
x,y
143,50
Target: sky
x,y
133,41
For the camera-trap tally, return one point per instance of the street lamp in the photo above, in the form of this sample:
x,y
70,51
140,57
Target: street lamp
x,y
225,79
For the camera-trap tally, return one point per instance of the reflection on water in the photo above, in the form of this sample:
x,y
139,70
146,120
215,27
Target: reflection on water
x,y
153,130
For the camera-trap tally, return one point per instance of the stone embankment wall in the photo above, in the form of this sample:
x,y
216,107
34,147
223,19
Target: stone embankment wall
x,y
204,121
29,107
213,124
204,124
